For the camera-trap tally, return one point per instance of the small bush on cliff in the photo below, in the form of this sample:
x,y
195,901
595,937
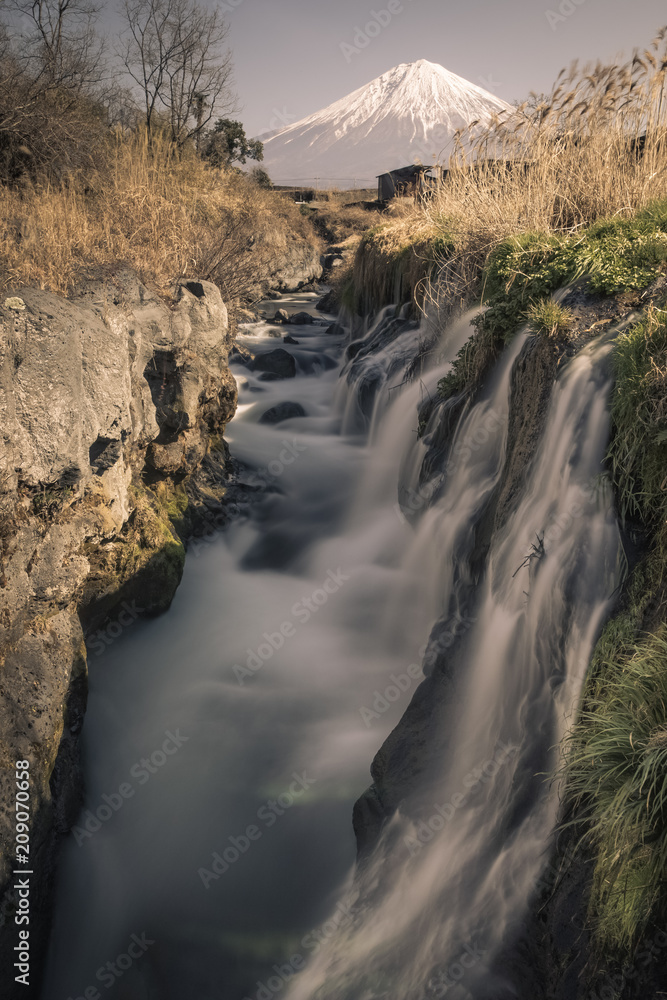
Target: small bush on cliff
x,y
470,365
549,319
617,776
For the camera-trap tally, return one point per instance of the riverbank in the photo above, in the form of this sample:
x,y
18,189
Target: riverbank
x,y
114,408
593,882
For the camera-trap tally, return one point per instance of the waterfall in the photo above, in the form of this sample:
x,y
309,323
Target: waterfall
x,y
292,651
451,877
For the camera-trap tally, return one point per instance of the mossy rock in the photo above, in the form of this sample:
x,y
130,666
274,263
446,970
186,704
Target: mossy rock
x,y
145,563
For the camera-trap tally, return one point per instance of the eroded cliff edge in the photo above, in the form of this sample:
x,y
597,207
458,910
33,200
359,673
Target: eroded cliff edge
x,y
557,952
112,406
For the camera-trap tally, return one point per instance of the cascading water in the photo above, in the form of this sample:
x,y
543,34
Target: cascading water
x,y
449,881
275,642
272,668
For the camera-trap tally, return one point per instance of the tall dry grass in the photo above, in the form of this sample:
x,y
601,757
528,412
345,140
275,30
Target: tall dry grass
x,y
163,214
594,148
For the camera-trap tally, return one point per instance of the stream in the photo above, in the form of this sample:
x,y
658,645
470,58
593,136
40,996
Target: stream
x,y
226,742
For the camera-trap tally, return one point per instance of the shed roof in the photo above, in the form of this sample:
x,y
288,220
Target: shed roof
x,y
405,173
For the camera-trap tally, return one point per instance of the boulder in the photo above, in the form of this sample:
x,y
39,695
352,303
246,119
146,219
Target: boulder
x,y
301,319
278,364
311,362
329,302
336,330
282,411
281,316
290,340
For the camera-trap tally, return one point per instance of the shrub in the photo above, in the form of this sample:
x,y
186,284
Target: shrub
x,y
617,778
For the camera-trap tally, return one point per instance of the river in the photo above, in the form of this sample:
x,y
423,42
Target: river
x,y
226,742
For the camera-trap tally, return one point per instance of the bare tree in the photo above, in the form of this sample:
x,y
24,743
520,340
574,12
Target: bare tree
x,y
174,51
59,45
51,94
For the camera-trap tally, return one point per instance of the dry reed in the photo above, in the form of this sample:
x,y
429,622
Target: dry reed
x,y
163,214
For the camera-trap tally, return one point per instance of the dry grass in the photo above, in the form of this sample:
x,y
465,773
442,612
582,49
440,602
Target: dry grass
x,y
337,222
395,261
596,148
340,215
167,216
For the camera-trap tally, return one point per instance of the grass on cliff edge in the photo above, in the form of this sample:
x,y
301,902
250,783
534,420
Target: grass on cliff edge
x,y
617,776
167,216
592,149
395,261
613,255
638,453
616,756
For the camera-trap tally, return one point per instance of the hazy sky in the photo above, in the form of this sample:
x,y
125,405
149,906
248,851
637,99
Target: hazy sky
x,y
289,61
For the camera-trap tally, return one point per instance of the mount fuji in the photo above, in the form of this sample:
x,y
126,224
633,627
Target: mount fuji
x,y
407,115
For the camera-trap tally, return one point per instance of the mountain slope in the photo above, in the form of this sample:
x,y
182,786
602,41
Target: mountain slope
x,y
409,113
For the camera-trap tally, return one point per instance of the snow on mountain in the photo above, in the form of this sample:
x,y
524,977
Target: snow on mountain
x,y
406,115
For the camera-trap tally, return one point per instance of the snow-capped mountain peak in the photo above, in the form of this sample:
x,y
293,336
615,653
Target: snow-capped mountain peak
x,y
409,114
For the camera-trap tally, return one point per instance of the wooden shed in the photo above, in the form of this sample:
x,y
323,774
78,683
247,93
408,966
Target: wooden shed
x,y
415,180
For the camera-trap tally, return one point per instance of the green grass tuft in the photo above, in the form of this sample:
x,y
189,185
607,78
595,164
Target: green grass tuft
x,y
616,766
549,319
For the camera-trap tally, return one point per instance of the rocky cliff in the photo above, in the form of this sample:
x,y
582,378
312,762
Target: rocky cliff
x,y
113,404
556,953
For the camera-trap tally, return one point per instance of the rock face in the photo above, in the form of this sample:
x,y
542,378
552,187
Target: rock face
x,y
292,264
299,266
94,392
